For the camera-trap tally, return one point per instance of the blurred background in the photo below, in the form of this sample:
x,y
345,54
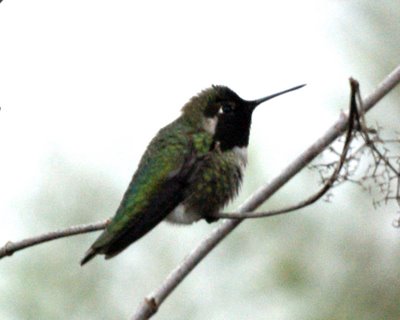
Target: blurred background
x,y
84,86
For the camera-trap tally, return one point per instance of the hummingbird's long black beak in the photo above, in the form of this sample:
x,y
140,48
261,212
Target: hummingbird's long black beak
x,y
254,103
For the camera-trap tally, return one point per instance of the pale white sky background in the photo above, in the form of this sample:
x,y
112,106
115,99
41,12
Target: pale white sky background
x,y
93,81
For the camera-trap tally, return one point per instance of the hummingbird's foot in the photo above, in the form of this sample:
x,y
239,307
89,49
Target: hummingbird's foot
x,y
211,218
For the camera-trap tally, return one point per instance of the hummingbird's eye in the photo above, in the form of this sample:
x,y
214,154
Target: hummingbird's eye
x,y
226,108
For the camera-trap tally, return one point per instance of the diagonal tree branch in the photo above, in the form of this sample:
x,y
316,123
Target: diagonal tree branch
x,y
152,302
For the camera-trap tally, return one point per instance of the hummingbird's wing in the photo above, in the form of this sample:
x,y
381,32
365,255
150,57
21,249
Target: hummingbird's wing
x,y
157,187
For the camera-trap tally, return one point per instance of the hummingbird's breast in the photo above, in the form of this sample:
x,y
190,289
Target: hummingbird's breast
x,y
217,182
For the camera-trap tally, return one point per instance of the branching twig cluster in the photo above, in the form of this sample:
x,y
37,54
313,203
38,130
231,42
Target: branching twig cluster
x,y
382,169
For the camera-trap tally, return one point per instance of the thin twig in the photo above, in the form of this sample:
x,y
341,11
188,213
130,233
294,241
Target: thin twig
x,y
146,309
327,185
10,247
369,142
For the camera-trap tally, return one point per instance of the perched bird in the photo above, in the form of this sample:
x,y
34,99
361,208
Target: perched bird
x,y
191,169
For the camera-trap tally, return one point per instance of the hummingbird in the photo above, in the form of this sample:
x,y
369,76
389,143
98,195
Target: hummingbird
x,y
191,169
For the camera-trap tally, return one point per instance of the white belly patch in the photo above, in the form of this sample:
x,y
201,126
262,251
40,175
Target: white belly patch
x,y
180,216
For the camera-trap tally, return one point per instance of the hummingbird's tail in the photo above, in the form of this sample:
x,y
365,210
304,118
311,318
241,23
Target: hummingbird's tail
x,y
89,255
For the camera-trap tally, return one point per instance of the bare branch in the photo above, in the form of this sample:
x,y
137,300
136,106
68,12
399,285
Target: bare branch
x,y
146,309
10,247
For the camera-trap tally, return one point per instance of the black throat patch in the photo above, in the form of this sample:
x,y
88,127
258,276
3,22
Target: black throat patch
x,y
232,130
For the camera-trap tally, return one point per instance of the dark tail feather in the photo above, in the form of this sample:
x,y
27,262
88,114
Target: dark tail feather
x,y
89,255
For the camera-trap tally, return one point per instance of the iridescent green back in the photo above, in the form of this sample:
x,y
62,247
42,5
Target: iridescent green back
x,y
164,155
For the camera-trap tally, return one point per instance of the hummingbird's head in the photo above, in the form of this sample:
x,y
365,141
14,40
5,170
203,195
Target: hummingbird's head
x,y
225,115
